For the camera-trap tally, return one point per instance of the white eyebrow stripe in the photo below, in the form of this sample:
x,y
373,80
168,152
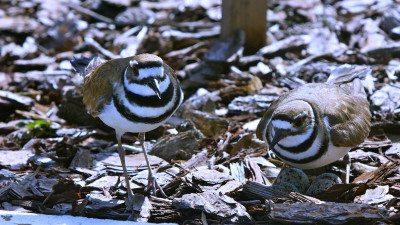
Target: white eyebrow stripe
x,y
144,90
150,72
295,140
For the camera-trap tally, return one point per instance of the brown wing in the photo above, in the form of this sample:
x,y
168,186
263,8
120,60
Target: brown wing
x,y
99,84
267,116
346,108
352,125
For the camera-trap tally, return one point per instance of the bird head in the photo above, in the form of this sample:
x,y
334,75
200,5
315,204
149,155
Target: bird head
x,y
290,119
146,69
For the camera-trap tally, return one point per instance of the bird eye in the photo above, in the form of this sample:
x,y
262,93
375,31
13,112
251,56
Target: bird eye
x,y
299,119
133,63
298,122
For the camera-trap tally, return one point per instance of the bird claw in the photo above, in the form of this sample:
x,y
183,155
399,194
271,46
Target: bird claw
x,y
154,187
129,203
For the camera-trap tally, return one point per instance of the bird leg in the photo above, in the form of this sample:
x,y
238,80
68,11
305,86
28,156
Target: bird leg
x,y
152,184
347,160
121,153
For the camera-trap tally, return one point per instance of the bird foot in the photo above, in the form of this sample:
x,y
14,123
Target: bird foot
x,y
129,203
130,207
153,187
137,207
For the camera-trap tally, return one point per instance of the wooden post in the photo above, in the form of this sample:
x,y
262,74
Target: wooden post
x,y
248,15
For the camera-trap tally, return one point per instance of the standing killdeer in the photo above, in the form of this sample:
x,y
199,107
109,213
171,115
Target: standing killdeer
x,y
135,94
317,124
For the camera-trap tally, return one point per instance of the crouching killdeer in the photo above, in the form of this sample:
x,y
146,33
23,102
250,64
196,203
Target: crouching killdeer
x,y
135,94
318,123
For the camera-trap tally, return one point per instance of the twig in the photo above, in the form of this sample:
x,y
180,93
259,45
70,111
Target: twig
x,y
185,51
89,13
102,50
133,46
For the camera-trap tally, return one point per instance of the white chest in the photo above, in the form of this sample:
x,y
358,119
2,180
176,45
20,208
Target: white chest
x,y
112,118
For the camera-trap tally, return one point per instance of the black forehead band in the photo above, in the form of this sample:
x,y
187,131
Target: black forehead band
x,y
151,64
284,118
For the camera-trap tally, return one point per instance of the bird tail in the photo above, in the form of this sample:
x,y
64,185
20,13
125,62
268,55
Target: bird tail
x,y
84,65
349,77
348,73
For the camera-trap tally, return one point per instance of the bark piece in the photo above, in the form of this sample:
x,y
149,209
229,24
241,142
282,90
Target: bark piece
x,y
378,195
210,125
215,205
82,159
326,213
181,146
15,160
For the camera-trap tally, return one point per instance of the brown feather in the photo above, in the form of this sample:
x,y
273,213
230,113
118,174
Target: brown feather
x,y
267,116
348,114
98,85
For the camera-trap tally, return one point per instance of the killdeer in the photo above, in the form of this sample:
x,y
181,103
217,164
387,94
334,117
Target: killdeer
x,y
135,94
318,123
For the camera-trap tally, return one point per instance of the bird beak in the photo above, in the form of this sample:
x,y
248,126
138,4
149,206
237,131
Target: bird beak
x,y
275,139
154,85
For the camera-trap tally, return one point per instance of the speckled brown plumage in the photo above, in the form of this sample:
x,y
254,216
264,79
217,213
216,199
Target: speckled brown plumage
x,y
348,113
98,85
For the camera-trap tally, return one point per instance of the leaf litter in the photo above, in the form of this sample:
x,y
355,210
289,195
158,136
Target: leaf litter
x,y
57,159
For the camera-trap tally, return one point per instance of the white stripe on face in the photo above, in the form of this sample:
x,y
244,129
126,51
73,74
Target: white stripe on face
x,y
145,111
296,140
313,150
281,124
145,90
151,72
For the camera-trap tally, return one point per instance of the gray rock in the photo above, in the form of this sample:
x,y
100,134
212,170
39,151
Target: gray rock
x,y
104,182
20,136
6,174
162,178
